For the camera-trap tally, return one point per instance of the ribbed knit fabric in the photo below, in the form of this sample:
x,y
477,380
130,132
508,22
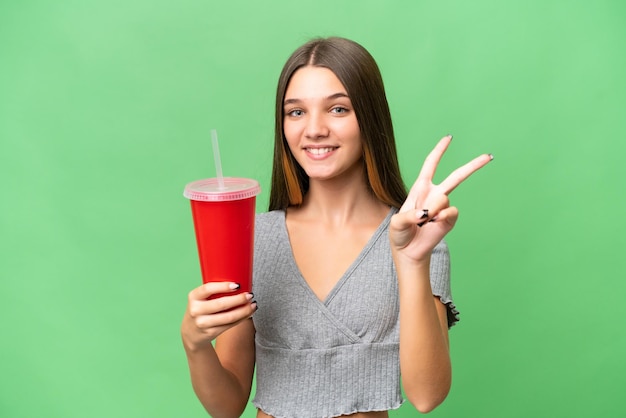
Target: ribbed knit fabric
x,y
338,356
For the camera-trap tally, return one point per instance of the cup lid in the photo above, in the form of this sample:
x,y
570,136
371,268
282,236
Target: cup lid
x,y
235,188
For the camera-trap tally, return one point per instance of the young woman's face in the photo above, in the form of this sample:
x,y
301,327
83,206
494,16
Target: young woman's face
x,y
320,124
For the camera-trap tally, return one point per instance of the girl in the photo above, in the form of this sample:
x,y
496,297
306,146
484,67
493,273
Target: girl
x,y
351,275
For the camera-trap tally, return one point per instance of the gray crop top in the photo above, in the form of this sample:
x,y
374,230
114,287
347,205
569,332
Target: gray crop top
x,y
336,357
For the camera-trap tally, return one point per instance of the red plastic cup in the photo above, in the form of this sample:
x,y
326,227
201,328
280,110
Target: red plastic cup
x,y
224,225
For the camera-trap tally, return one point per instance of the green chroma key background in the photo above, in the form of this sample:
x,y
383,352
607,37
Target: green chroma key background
x,y
105,114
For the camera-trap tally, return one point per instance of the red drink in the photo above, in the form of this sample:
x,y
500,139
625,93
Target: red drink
x,y
224,224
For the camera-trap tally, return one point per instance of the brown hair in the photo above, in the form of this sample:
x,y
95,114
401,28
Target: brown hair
x,y
358,72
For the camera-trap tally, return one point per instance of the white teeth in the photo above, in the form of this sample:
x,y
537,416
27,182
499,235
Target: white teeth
x,y
319,151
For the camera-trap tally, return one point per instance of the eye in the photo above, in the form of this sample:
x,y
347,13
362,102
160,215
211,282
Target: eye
x,y
339,110
294,112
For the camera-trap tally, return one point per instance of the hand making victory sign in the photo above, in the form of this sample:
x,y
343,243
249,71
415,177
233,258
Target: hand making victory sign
x,y
426,215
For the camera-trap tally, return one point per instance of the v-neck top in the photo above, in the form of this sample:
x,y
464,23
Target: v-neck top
x,y
338,356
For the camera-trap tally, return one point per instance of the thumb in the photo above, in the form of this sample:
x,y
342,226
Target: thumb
x,y
403,227
407,219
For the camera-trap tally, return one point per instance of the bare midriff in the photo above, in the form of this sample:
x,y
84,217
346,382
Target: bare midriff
x,y
374,414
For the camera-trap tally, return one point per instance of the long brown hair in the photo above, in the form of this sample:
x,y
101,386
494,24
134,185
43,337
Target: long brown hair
x,y
358,72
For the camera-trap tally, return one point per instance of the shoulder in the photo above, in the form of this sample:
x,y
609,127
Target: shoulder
x,y
271,218
268,223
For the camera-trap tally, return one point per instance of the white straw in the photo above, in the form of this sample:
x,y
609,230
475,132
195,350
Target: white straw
x,y
218,161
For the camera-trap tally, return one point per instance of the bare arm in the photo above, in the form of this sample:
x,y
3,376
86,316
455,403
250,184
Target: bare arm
x,y
422,222
424,355
222,375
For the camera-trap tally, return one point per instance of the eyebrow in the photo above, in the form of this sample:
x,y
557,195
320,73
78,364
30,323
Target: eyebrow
x,y
331,97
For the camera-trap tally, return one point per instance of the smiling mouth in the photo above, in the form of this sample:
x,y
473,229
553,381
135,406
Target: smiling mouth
x,y
320,151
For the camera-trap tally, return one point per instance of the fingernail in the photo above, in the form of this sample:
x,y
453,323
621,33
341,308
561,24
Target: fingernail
x,y
421,224
249,295
256,308
450,135
234,286
424,214
491,156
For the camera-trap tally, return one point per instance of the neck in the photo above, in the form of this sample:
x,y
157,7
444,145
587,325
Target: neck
x,y
342,201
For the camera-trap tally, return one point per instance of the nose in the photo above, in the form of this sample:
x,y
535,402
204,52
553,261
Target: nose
x,y
316,126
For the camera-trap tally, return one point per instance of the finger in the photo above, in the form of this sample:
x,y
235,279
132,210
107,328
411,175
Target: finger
x,y
219,304
212,288
446,218
427,172
462,173
419,216
432,208
226,303
432,160
227,318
